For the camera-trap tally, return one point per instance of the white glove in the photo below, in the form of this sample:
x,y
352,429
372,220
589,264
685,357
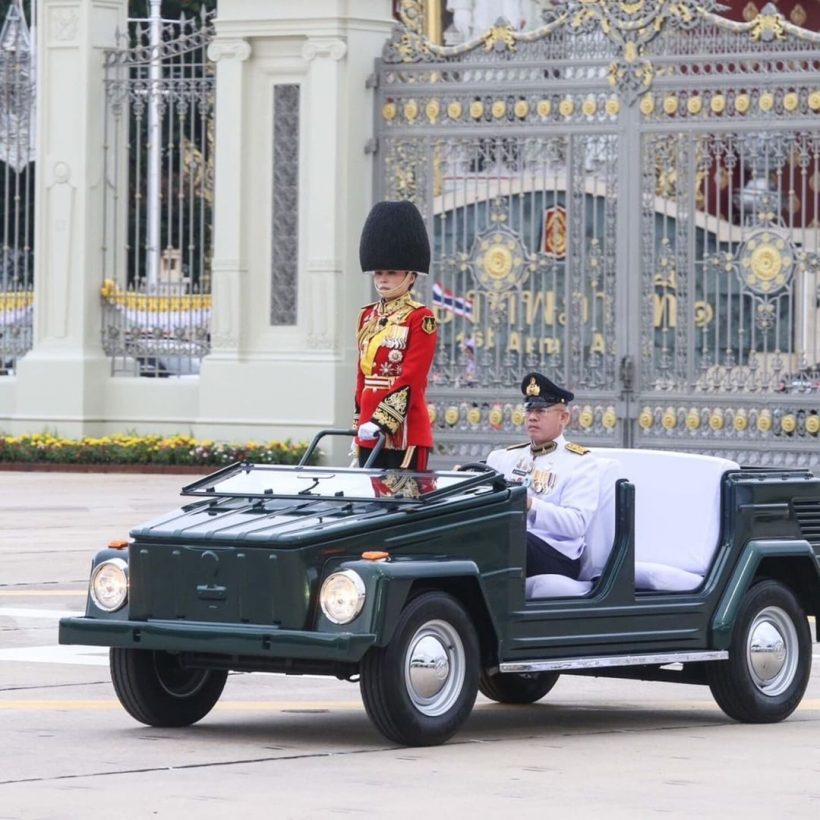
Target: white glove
x,y
368,431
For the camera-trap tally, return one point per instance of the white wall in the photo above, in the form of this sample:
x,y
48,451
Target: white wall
x,y
60,382
260,381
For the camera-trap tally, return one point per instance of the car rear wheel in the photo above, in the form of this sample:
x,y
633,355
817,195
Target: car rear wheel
x,y
769,662
421,687
156,689
523,687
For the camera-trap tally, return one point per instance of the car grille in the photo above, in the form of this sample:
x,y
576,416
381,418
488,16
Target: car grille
x,y
807,512
216,584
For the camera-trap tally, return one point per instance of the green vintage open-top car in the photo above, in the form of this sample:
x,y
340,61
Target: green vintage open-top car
x,y
696,571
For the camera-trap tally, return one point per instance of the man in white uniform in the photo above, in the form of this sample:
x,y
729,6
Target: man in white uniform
x,y
563,482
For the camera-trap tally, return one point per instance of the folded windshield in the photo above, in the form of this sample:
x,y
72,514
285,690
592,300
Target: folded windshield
x,y
267,481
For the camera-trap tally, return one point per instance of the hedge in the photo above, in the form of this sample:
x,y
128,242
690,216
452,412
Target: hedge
x,y
152,449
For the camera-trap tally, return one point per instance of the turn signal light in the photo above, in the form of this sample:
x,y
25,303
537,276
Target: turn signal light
x,y
375,555
118,544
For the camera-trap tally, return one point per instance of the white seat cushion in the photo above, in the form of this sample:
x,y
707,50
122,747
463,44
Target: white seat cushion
x,y
664,578
677,521
677,505
555,586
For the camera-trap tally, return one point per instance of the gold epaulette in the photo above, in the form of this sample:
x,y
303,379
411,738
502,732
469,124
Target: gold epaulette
x,y
577,449
362,312
517,446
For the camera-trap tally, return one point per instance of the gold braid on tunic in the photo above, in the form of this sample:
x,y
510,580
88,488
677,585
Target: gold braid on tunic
x,y
385,322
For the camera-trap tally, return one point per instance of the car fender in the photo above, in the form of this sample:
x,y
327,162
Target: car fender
x,y
743,575
390,584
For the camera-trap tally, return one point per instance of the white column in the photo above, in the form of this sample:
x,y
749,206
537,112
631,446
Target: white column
x,y
230,203
288,381
60,382
324,183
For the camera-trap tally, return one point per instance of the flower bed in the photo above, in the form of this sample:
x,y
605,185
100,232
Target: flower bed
x,y
161,453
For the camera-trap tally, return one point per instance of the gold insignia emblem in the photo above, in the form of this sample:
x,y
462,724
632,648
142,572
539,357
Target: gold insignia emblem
x,y
555,232
532,388
428,324
577,448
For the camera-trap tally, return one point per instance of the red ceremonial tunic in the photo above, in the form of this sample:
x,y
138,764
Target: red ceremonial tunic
x,y
396,342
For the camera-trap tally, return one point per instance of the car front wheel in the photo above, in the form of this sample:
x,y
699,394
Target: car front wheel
x,y
421,687
769,662
156,689
524,687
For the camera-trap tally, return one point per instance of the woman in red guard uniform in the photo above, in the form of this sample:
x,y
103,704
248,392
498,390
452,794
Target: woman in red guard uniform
x,y
396,339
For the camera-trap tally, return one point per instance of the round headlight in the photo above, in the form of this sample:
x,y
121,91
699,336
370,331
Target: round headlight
x,y
342,596
109,584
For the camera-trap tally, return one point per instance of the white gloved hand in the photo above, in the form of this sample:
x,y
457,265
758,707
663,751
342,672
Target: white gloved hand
x,y
368,431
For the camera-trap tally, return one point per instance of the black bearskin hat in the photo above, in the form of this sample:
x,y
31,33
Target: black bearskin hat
x,y
394,238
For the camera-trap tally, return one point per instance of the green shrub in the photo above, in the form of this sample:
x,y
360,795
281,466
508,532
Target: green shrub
x,y
152,449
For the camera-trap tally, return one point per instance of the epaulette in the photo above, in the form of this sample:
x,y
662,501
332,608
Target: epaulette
x,y
363,311
518,446
577,449
400,314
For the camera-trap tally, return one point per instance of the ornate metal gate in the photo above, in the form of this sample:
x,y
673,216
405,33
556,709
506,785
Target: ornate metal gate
x,y
158,213
17,161
628,199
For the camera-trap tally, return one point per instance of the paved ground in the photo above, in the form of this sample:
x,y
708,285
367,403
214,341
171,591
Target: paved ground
x,y
303,747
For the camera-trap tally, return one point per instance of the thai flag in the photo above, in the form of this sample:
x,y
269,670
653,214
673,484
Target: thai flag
x,y
446,300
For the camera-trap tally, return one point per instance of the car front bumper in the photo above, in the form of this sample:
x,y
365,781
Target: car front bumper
x,y
231,639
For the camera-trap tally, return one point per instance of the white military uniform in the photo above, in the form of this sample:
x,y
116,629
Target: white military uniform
x,y
564,485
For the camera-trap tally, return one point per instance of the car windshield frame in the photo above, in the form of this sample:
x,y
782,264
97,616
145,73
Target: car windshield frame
x,y
344,484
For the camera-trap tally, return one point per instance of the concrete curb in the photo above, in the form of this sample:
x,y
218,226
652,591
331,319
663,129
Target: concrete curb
x,y
54,467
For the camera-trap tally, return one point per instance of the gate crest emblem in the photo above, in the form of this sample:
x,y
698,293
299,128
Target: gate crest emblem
x,y
555,232
766,262
500,260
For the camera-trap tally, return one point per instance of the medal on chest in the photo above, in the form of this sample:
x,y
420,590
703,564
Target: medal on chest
x,y
543,481
395,338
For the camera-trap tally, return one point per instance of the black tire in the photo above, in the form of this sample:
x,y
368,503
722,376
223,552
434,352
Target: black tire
x,y
421,687
769,664
155,689
523,687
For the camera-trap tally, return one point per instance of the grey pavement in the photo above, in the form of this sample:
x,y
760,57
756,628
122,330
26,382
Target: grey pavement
x,y
302,747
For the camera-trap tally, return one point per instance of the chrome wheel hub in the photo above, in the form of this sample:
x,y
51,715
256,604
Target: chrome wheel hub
x,y
771,651
434,668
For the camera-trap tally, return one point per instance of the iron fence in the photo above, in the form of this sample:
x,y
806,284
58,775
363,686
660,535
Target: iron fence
x,y
17,168
159,198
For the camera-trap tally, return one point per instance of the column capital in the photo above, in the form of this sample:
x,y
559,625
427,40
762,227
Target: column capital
x,y
332,48
235,48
